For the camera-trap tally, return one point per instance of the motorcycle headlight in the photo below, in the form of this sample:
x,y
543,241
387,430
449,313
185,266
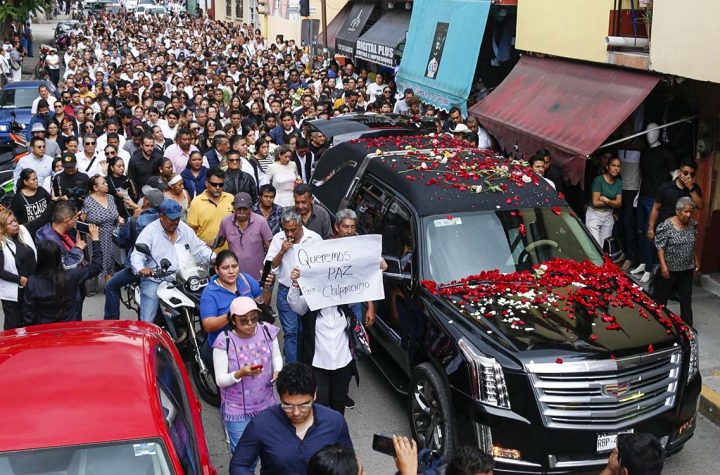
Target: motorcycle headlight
x,y
487,377
3,128
694,365
193,284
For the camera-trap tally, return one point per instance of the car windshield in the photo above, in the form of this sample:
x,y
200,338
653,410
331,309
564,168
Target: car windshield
x,y
17,98
509,240
145,456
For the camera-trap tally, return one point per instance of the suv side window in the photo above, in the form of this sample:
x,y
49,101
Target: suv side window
x,y
398,235
369,204
175,407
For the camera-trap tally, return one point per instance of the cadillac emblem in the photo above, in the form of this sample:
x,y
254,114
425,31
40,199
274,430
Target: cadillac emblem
x,y
615,390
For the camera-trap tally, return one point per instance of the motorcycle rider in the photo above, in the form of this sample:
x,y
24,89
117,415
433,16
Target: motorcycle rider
x,y
166,238
126,239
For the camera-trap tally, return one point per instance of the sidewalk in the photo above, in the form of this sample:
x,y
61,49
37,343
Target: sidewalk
x,y
43,33
706,310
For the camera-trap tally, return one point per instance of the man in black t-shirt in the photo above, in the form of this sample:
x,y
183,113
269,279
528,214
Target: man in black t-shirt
x,y
670,192
70,184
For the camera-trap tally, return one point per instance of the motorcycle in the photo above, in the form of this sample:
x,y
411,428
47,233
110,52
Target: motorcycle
x,y
179,314
9,159
41,70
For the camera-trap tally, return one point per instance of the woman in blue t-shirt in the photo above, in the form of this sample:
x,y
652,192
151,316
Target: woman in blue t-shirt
x,y
223,288
606,196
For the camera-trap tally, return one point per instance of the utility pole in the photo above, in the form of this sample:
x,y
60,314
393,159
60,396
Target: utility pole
x,y
323,14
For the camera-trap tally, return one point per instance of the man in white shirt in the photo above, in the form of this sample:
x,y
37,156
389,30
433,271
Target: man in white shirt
x,y
401,106
282,256
44,94
89,161
37,160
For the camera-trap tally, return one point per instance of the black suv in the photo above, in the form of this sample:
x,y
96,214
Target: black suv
x,y
502,321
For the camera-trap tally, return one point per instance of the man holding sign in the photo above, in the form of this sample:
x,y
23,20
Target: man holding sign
x,y
282,255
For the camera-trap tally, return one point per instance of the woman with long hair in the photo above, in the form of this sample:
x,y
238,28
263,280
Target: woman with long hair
x,y
17,263
206,138
52,293
120,186
194,174
606,197
283,175
32,204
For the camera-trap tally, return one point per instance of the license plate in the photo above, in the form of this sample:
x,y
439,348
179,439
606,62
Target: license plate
x,y
607,442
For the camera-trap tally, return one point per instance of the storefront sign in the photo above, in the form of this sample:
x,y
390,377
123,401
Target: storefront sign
x,y
340,271
354,24
375,53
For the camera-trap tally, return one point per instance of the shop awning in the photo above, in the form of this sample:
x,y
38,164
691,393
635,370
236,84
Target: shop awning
x,y
441,52
379,44
353,27
334,27
567,107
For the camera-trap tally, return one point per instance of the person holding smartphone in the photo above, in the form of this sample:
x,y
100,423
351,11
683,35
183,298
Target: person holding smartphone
x,y
247,360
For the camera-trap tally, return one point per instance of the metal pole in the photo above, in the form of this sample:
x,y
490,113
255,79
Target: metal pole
x,y
323,10
630,137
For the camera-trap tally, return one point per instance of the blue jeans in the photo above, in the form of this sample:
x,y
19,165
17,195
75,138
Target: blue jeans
x,y
290,322
235,430
112,292
149,300
648,252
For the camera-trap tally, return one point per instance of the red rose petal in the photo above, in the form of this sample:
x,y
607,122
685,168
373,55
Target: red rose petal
x,y
449,217
650,348
593,337
559,361
557,210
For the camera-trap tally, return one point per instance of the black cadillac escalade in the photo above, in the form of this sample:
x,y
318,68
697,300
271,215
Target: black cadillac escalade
x,y
502,321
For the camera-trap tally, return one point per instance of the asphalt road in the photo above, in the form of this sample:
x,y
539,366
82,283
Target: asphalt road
x,y
380,410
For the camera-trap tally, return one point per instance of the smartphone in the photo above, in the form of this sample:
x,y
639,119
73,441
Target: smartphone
x,y
82,227
265,273
383,444
256,367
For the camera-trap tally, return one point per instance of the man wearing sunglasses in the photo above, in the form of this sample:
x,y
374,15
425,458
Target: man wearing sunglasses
x,y
287,435
670,192
209,208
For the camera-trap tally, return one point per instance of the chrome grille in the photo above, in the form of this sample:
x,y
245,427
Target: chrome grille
x,y
606,394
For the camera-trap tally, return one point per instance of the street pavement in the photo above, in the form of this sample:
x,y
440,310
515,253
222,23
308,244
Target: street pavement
x,y
381,410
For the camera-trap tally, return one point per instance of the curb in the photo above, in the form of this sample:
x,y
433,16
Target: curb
x,y
710,404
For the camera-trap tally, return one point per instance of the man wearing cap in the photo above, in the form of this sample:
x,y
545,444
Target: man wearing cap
x,y
51,147
68,183
248,235
166,238
126,240
207,209
36,159
53,64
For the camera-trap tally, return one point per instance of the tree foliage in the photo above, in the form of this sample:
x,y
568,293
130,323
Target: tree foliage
x,y
21,9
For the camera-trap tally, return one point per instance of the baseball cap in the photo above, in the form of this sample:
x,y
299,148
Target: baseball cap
x,y
154,197
155,182
242,306
38,127
170,208
242,200
69,161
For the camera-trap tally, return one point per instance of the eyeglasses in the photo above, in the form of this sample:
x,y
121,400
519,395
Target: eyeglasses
x,y
687,173
217,185
90,143
247,321
300,407
110,152
233,160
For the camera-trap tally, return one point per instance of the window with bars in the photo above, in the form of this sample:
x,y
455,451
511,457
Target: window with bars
x,y
228,8
238,8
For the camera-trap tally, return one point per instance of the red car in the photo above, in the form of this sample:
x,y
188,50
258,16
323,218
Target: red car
x,y
98,397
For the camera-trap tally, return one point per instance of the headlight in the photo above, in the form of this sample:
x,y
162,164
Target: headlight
x,y
3,128
694,365
487,377
193,284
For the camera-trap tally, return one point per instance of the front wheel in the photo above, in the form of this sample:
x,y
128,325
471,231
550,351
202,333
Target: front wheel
x,y
204,380
431,417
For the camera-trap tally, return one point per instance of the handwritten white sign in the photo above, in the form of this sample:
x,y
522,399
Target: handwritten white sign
x,y
340,271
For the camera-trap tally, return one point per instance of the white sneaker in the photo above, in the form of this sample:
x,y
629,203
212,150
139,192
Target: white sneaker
x,y
645,277
638,270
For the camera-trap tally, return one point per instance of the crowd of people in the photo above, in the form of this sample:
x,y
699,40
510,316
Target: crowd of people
x,y
188,136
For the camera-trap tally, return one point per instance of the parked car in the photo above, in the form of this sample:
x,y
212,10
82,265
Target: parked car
x,y
97,397
130,5
17,97
356,126
502,321
144,10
